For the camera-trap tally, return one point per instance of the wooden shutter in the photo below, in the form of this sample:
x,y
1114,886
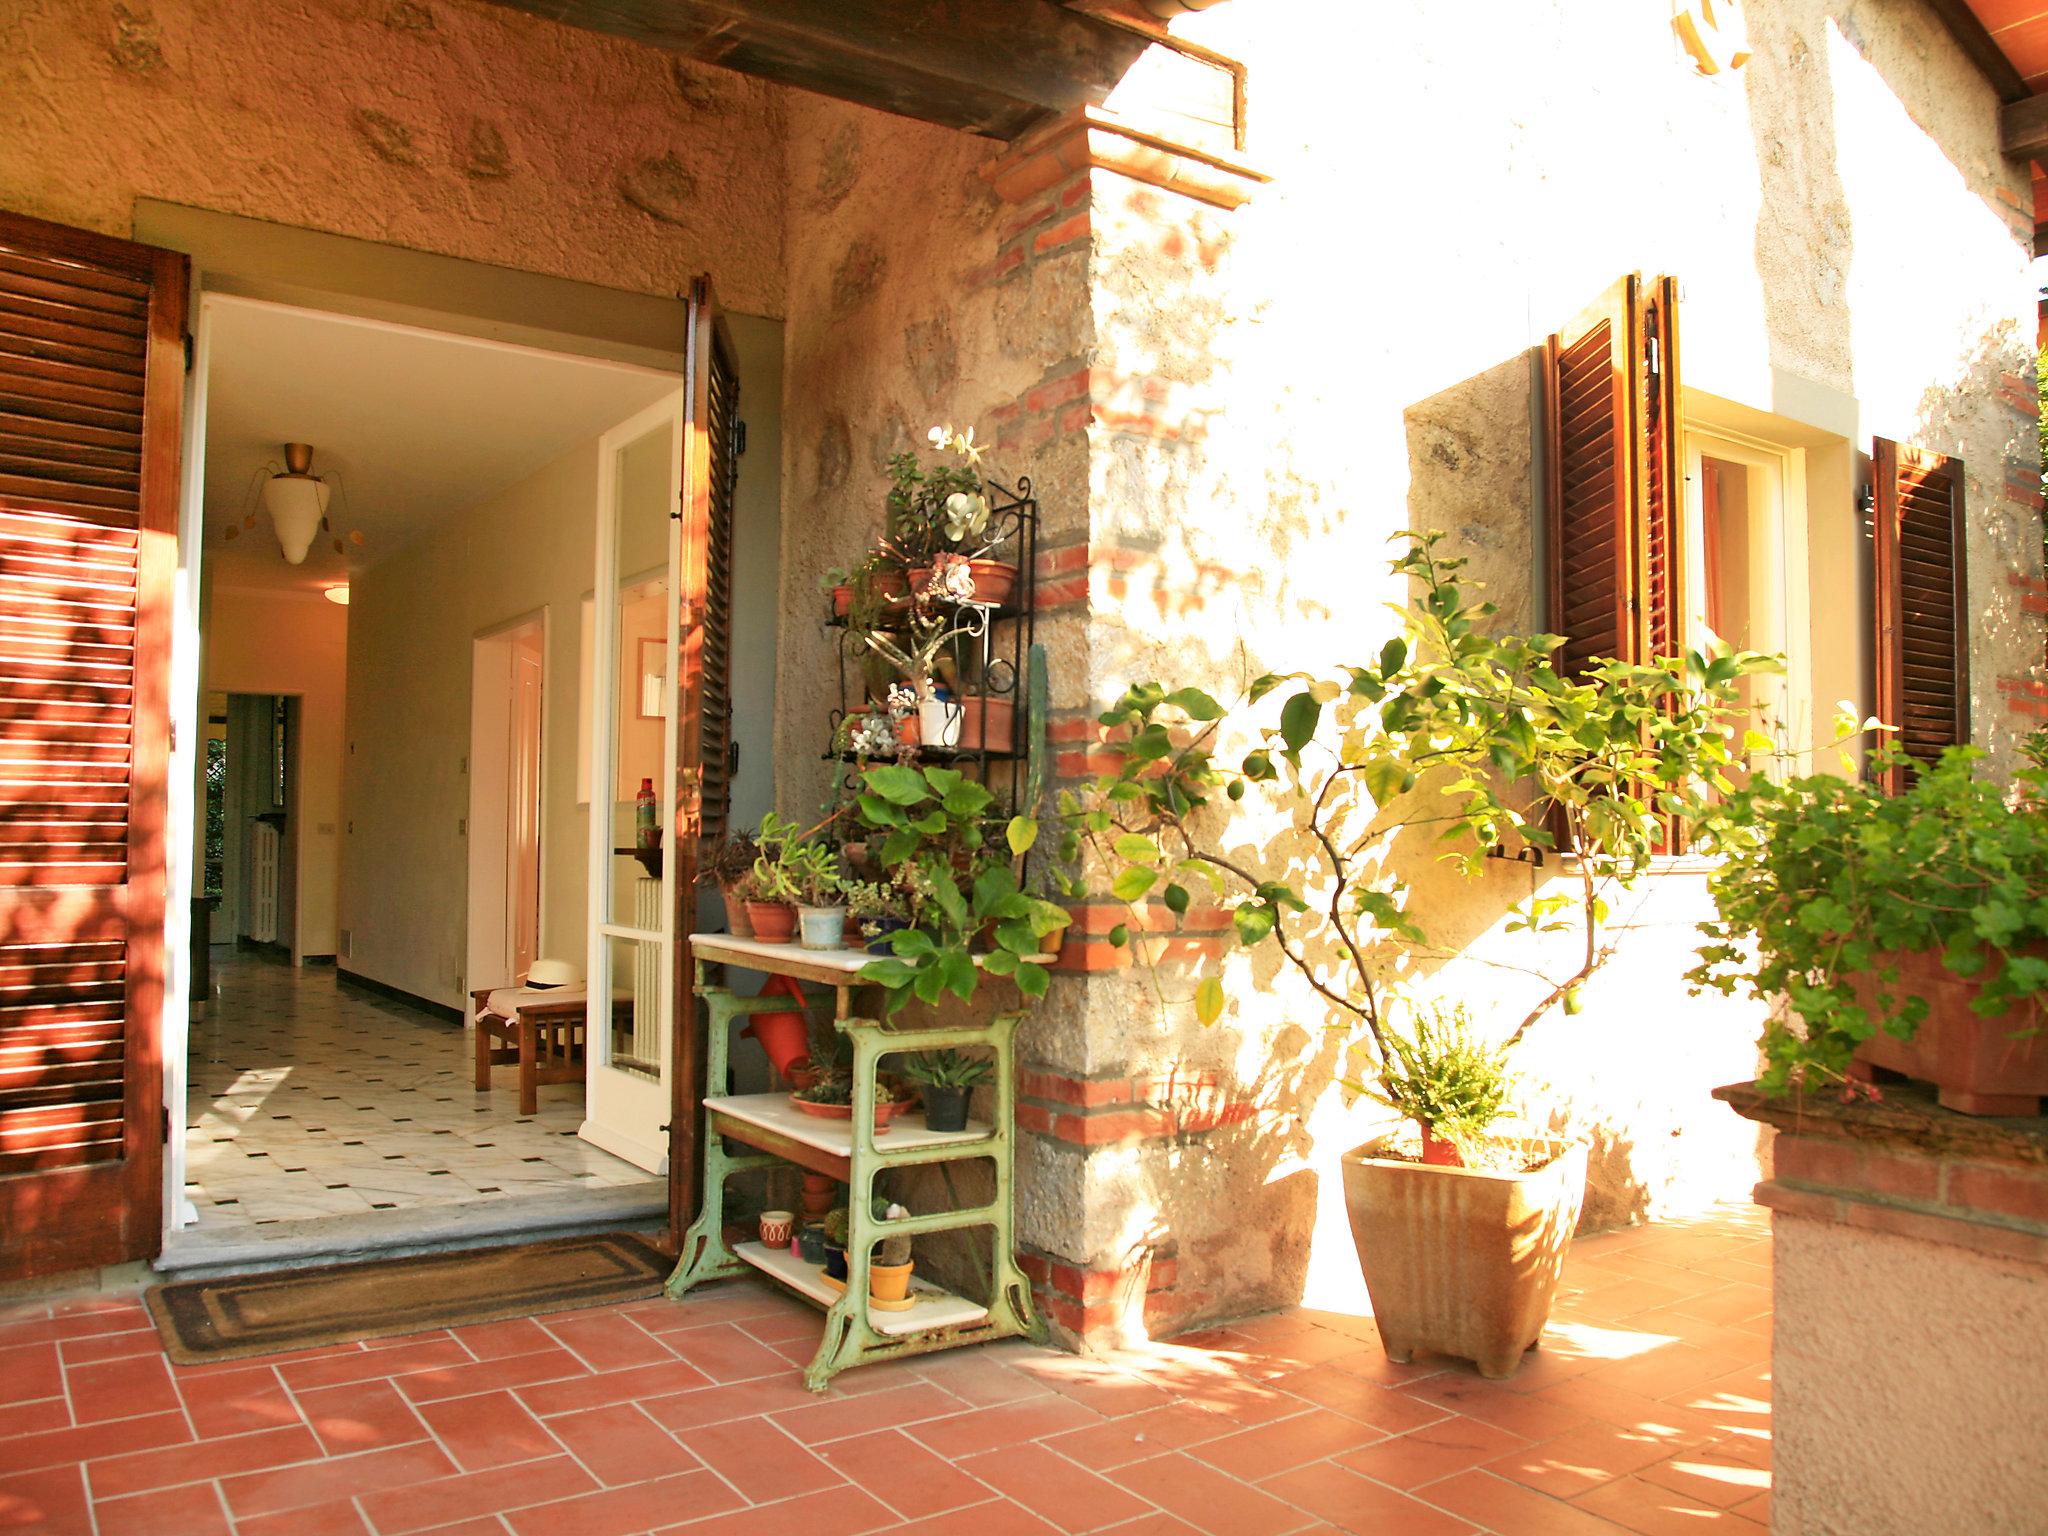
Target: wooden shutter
x,y
91,384
1921,601
1613,478
703,703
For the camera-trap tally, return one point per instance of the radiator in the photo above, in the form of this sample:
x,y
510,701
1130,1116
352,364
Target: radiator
x,y
648,979
264,848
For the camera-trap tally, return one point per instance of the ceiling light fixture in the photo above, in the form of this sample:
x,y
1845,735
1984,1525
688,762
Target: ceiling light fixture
x,y
337,594
296,500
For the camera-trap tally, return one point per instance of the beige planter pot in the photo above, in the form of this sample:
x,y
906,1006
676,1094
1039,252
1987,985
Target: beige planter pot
x,y
1460,1260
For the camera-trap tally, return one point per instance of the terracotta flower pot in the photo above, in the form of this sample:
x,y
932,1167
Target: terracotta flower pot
x,y
842,601
819,1188
889,1282
994,580
988,724
1052,943
774,921
1977,1065
1463,1261
738,922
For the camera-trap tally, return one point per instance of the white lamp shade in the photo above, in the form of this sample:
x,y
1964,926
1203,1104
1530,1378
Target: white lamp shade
x,y
296,503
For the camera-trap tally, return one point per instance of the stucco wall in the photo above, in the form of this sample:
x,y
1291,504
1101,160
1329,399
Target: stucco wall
x,y
442,125
1347,356
1906,1376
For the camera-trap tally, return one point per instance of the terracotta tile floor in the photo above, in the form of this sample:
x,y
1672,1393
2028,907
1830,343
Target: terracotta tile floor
x,y
1647,1410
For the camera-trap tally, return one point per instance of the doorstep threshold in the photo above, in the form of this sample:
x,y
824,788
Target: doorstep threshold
x,y
195,1252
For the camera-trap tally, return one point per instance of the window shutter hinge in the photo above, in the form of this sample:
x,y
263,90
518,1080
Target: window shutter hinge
x,y
1652,359
732,759
189,351
164,1114
739,438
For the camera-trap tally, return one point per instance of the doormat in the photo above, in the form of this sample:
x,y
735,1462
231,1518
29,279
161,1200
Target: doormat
x,y
225,1319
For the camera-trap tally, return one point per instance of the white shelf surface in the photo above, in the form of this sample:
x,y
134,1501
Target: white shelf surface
x,y
774,1112
934,1308
795,958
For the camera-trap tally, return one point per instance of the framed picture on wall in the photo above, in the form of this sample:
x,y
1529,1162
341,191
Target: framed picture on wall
x,y
653,679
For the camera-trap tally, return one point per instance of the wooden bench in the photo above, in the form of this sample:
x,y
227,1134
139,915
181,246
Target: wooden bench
x,y
545,1035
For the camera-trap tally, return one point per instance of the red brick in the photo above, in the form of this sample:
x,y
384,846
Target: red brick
x,y
1066,232
628,1511
1004,263
1087,1092
1076,418
422,1505
1058,391
1062,593
1075,192
1998,1191
203,1461
1076,956
1017,224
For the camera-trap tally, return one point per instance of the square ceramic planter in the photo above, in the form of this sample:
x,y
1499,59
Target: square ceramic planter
x,y
1463,1261
1979,1066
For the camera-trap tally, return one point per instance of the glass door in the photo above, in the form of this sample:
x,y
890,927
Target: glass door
x,y
633,780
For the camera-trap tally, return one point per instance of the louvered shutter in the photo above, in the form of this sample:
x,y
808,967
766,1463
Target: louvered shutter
x,y
91,382
1921,601
1613,486
714,712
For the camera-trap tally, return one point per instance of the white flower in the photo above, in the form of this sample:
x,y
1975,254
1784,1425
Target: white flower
x,y
902,700
966,516
938,437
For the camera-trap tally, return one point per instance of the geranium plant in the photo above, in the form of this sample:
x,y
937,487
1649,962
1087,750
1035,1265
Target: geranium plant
x,y
1454,730
1826,879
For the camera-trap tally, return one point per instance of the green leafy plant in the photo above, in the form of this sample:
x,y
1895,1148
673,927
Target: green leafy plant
x,y
1824,879
1443,1076
947,1069
1454,729
730,858
932,821
837,1221
793,867
832,1087
870,899
940,508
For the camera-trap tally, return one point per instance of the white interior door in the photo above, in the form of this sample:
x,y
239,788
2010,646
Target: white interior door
x,y
633,739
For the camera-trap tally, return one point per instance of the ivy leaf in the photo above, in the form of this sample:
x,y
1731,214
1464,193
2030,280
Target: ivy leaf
x,y
1195,704
1132,882
1209,1000
898,785
965,801
1031,980
1298,719
1254,921
1021,834
1134,848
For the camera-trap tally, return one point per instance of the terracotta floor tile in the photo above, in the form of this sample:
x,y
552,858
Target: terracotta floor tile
x,y
618,1444
1721,1475
236,1402
51,1502
980,1378
202,1461
1105,1389
1654,1510
1159,1523
84,1442
264,1493
1358,1504
1312,1436
1355,1397
984,1429
682,1411
33,1417
490,1429
31,1371
1070,1498
1209,1500
338,1517
1499,1505
906,1407
166,1512
514,1336
120,1389
1583,1459
368,1364
1470,1394
902,1474
627,1511
1434,1451
1137,1436
999,1518
604,1341
1757,1509
763,1462
462,1379
1633,1412
844,1511
724,1353
362,1416
420,1506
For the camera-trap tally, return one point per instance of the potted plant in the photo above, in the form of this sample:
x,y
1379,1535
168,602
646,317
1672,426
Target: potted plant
x,y
1476,735
1906,931
940,517
946,1080
890,1264
830,1097
835,1225
876,909
795,877
770,893
729,863
820,896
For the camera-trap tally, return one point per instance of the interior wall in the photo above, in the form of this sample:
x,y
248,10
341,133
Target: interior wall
x,y
294,643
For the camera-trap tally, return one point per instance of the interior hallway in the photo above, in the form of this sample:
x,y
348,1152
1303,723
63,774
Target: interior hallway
x,y
307,1099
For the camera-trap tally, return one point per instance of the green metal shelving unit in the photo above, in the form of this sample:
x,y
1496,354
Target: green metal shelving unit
x,y
850,1151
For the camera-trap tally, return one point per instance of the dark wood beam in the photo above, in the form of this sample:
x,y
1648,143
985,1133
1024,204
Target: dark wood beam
x,y
2023,127
993,67
1984,52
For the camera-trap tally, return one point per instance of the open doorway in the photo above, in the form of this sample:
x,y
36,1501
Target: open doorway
x,y
443,804
508,677
251,856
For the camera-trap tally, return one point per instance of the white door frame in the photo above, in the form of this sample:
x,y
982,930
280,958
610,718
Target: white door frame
x,y
488,947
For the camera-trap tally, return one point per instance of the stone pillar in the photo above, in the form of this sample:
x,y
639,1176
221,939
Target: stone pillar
x,y
1911,1298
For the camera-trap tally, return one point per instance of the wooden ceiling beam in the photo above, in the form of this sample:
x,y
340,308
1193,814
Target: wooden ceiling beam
x,y
2023,128
993,67
1975,40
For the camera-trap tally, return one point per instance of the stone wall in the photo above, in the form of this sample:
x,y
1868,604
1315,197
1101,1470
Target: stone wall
x,y
450,126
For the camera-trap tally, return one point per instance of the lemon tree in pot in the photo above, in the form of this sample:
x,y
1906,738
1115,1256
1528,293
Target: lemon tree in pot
x,y
1456,734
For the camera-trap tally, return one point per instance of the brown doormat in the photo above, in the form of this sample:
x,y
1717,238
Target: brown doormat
x,y
203,1320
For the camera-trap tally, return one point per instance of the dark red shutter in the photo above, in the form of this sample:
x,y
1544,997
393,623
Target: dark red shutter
x,y
714,711
91,385
1921,602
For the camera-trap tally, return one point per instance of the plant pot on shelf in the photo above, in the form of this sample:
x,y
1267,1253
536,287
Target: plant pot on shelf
x,y
738,922
889,1282
994,581
939,722
801,1075
774,921
822,927
988,724
819,1188
842,601
1051,943
945,1108
1463,1261
885,1110
1979,1066
876,930
810,1242
835,1259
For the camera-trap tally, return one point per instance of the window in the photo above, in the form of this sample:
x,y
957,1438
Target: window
x,y
1740,544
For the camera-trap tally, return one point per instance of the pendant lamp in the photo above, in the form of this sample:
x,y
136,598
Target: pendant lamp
x,y
297,503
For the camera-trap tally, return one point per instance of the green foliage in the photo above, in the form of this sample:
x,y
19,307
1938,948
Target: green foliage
x,y
830,1088
1445,1078
1453,729
837,1221
947,1069
793,868
923,516
934,820
1823,877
